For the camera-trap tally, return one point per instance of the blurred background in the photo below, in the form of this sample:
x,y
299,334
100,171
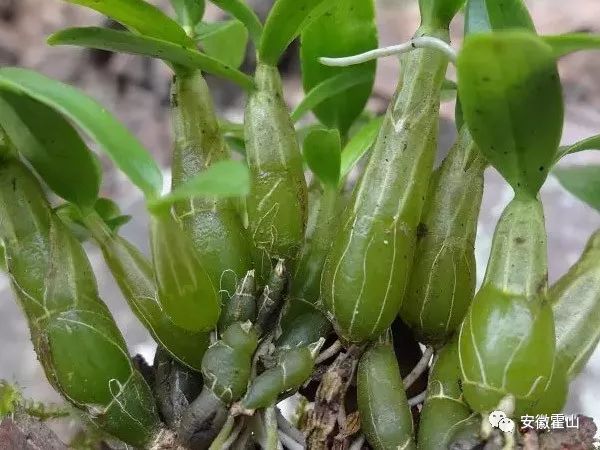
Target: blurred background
x,y
136,90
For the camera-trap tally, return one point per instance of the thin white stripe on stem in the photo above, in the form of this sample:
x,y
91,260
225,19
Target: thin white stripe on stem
x,y
418,42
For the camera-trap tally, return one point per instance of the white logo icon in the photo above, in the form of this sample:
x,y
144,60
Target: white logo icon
x,y
498,419
506,425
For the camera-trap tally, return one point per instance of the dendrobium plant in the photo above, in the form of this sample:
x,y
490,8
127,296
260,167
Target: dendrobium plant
x,y
272,274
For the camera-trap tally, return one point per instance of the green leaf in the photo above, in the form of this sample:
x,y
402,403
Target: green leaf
x,y
242,12
359,144
330,88
285,22
483,15
52,146
107,208
122,147
563,44
322,153
582,182
347,29
487,15
225,41
189,12
591,143
221,179
140,16
234,136
123,41
511,99
70,215
110,212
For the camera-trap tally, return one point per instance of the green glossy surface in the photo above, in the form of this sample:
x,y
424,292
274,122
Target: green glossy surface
x,y
575,301
305,329
486,15
367,267
347,29
76,339
385,415
175,55
140,16
134,276
322,150
242,305
185,290
505,79
444,409
506,342
292,370
563,44
189,12
242,337
213,224
97,123
305,288
582,182
554,397
53,147
442,280
277,201
226,365
226,41
286,20
245,14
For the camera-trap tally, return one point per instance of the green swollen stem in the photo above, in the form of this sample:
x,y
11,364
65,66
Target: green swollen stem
x,y
185,289
510,318
444,408
304,287
212,224
575,301
277,202
443,277
367,267
134,275
385,415
54,283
